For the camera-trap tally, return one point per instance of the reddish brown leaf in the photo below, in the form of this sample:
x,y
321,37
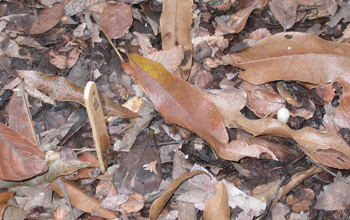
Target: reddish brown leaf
x,y
116,20
49,17
20,119
178,101
292,56
81,200
217,207
61,89
20,159
159,204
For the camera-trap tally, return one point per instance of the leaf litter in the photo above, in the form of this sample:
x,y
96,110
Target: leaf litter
x,y
212,91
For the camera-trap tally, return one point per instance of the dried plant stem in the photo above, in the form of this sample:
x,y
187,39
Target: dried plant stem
x,y
115,49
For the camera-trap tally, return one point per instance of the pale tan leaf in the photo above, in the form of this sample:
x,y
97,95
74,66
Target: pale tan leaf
x,y
217,207
292,56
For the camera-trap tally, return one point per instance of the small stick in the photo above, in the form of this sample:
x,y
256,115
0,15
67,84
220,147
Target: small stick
x,y
115,49
98,124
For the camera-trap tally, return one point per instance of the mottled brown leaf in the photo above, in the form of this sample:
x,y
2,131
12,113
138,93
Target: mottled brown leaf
x,y
292,56
61,89
20,159
116,20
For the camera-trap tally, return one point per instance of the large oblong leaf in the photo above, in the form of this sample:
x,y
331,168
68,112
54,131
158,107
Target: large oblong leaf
x,y
61,89
20,159
178,101
292,56
183,104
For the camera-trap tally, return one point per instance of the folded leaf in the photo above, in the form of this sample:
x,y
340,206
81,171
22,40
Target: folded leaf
x,y
217,207
292,56
61,89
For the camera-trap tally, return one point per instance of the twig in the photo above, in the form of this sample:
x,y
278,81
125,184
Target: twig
x,y
328,171
115,49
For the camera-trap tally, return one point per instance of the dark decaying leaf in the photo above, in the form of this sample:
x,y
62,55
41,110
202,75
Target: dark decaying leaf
x,y
20,159
81,200
132,175
159,204
61,89
181,103
116,20
292,56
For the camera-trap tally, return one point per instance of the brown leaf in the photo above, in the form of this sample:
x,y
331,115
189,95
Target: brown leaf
x,y
313,142
20,159
217,207
285,11
63,61
116,20
175,24
81,200
181,103
170,59
159,203
132,175
335,196
49,17
292,56
294,181
20,119
178,101
61,89
5,196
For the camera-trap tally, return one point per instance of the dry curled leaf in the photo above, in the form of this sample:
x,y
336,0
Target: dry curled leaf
x,y
61,89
